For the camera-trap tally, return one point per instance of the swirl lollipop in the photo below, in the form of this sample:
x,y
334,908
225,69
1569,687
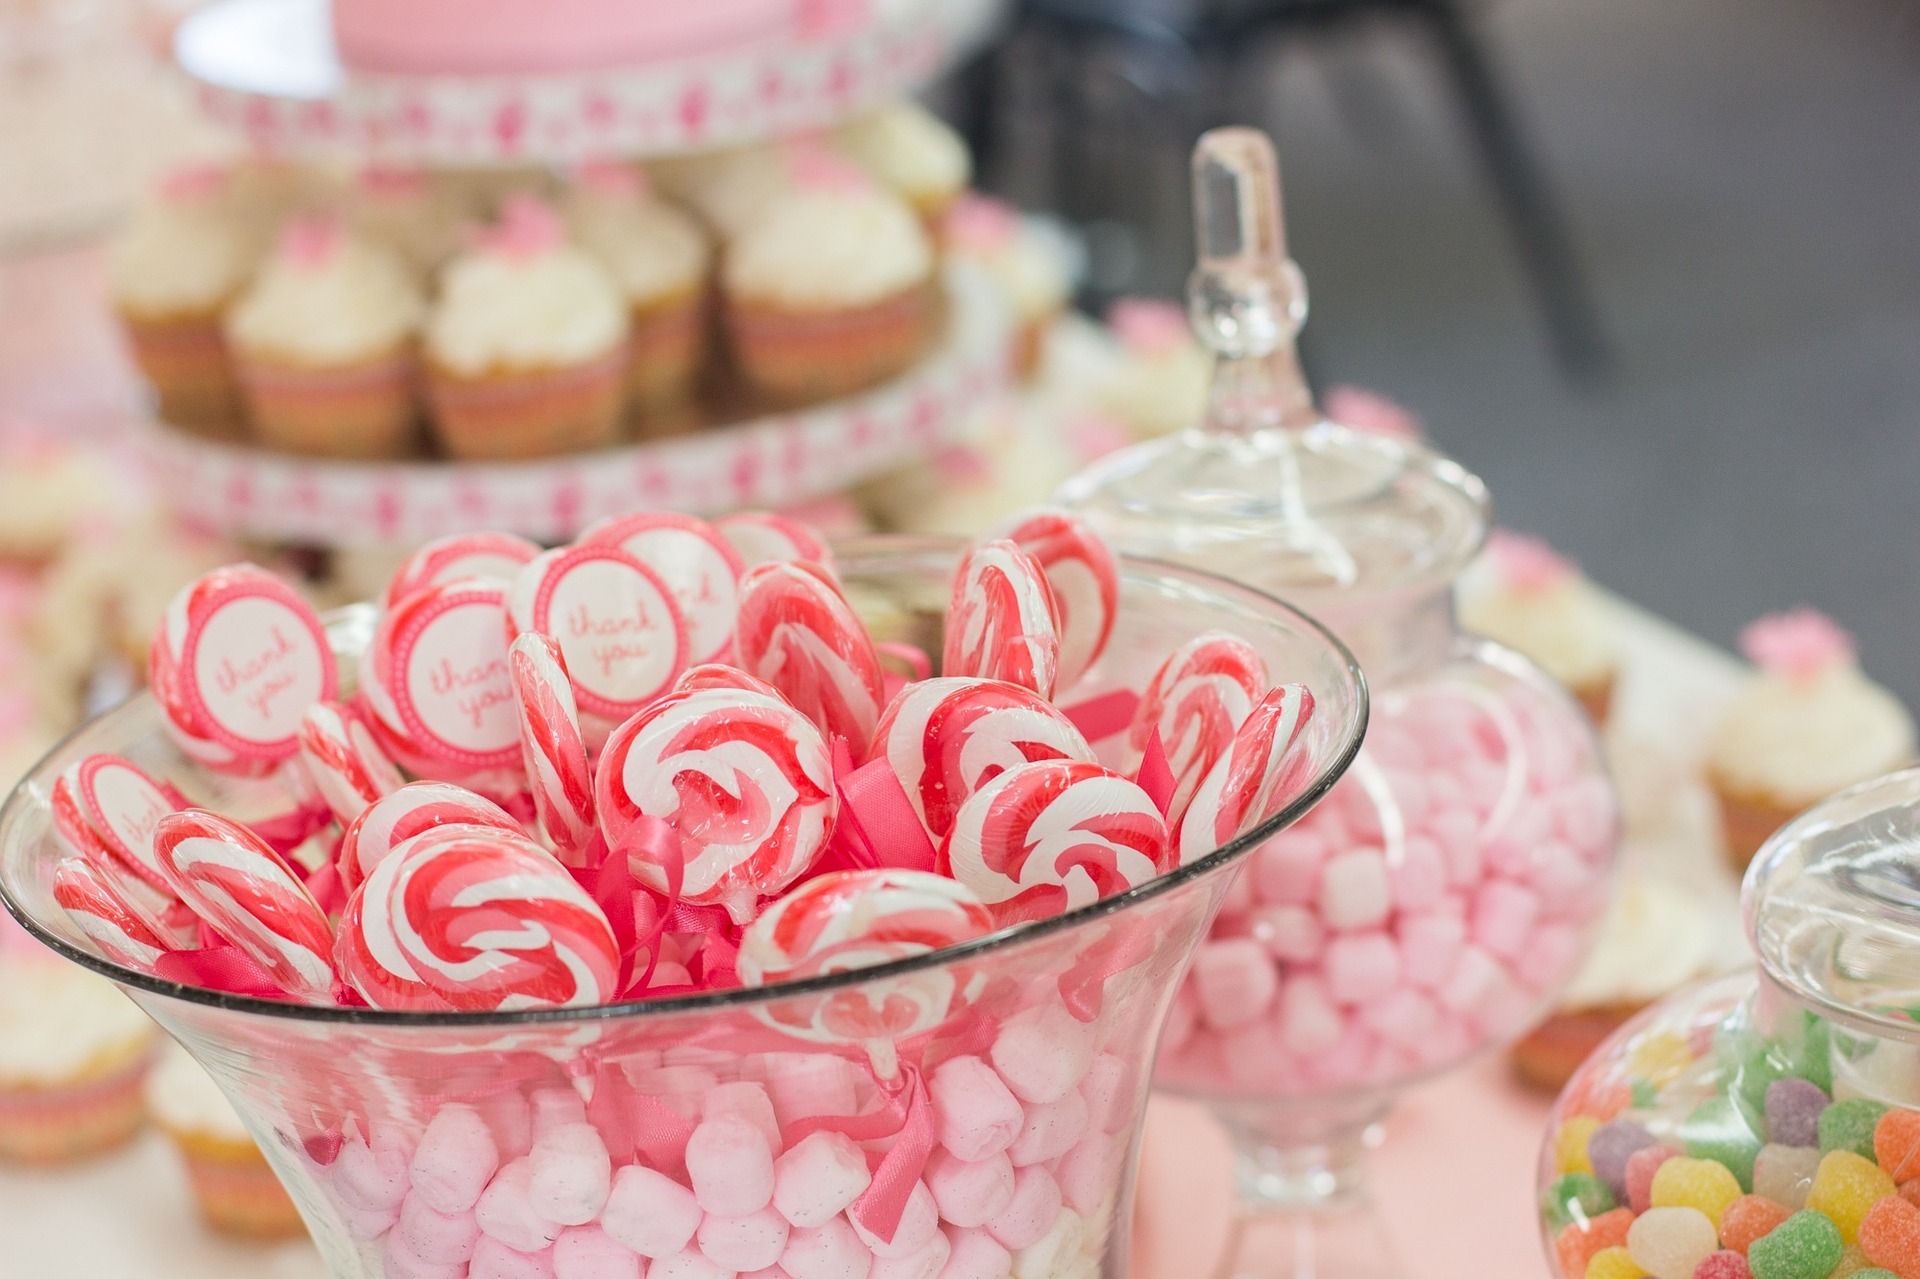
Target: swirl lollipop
x,y
107,805
1251,782
485,921
248,893
1053,836
946,738
797,632
857,919
413,810
720,675
1085,578
1003,622
347,766
744,779
697,563
1197,699
123,932
551,747
449,559
761,537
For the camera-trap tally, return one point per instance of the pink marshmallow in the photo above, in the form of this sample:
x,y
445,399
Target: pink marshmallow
x,y
1361,966
687,1264
1354,890
1055,1253
753,1242
1419,878
1087,1174
974,1113
1551,955
455,1160
1565,882
1457,832
555,1108
804,1084
975,1254
588,1252
1043,1052
494,1260
371,1177
509,1117
650,1212
1585,813
970,1194
1402,1018
1474,972
1052,1128
571,1174
919,1222
748,1101
1408,785
1429,946
730,1166
925,1262
1036,1202
1234,980
1254,1054
1503,915
1286,869
399,1263
368,1223
1290,933
1183,1019
1309,1022
506,1210
440,1238
829,1251
819,1178
1108,1091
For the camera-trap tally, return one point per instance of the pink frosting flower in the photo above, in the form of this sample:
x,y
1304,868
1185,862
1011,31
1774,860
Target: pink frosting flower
x,y
1362,410
612,179
311,242
960,464
814,165
528,227
981,224
1527,563
1800,644
1148,326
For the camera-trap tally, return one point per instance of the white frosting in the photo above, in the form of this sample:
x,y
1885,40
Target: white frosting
x,y
550,310
56,1019
909,149
730,188
360,303
184,1098
652,249
1160,394
1798,740
1030,272
180,256
1564,627
1655,939
825,249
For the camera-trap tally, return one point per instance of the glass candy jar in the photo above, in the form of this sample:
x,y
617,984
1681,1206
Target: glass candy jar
x,y
1766,1126
974,1112
1443,894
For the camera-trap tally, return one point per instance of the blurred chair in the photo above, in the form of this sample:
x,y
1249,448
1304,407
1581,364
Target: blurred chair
x,y
1088,108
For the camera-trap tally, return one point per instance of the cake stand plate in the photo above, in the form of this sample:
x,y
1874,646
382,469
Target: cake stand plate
x,y
772,461
269,69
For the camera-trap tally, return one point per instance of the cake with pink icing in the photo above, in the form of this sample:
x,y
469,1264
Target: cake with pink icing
x,y
1808,724
1524,594
483,37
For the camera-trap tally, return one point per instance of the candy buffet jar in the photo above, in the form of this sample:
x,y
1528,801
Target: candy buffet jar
x,y
1766,1126
973,1113
1435,904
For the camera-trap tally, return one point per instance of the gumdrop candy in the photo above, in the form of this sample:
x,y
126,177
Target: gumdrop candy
x,y
1609,1149
1784,1174
1578,1196
1716,1130
1576,1244
1890,1236
1896,1144
1804,1246
1845,1187
1850,1125
1700,1184
1723,1265
1641,1167
1570,1144
1659,1057
1669,1243
1747,1219
1793,1112
1614,1263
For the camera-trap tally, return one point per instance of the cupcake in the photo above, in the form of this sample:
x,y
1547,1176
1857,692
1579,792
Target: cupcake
x,y
48,492
73,1051
324,343
1027,265
830,290
1163,381
1807,725
1359,409
660,259
1535,601
729,188
912,153
404,210
175,268
232,1182
526,348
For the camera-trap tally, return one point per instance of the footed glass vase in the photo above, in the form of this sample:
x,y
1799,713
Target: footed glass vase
x,y
974,1112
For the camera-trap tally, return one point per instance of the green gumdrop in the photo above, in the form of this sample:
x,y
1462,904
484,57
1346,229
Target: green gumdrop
x,y
1642,1095
1804,1246
1716,1130
1755,1074
1576,1188
1848,1125
1873,1272
1815,1057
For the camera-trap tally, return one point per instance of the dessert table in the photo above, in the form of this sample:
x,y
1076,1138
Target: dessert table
x,y
1455,1173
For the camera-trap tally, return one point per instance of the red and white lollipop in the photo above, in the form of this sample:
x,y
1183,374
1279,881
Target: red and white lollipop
x,y
858,919
761,537
109,804
98,908
797,632
436,682
1254,779
720,675
1053,836
1003,622
746,782
946,738
1085,578
449,559
1197,701
413,810
346,765
485,922
620,631
236,661
551,748
698,564
248,893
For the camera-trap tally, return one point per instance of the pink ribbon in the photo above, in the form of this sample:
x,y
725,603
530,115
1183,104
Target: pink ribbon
x,y
1083,987
1155,774
224,967
877,825
1103,716
907,1118
285,832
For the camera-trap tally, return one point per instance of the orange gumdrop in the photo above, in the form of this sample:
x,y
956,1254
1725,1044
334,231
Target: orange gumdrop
x,y
1747,1218
1910,1191
1598,1094
1890,1236
1896,1144
1575,1246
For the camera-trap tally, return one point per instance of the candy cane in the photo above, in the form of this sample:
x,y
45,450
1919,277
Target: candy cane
x,y
1254,779
99,909
346,765
1085,577
797,632
554,754
1197,699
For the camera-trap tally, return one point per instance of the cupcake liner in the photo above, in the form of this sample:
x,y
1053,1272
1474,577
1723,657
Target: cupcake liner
x,y
185,360
362,410
1596,699
665,350
236,1188
808,355
56,1122
1748,820
529,413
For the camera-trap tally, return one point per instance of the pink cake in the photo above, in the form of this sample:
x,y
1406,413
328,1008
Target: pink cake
x,y
506,36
